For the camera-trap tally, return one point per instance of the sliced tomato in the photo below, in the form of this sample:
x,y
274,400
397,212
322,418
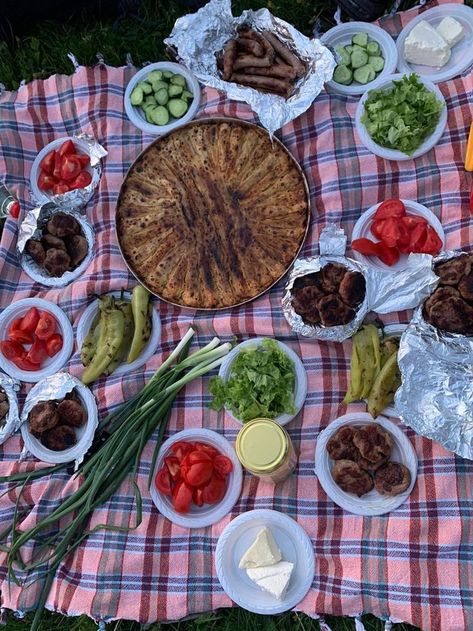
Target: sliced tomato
x,y
12,350
81,181
197,474
37,353
390,232
30,320
376,228
70,168
404,235
196,456
366,247
411,221
46,182
418,236
24,364
60,188
433,243
48,162
57,166
163,481
83,159
174,467
54,344
198,497
182,497
390,208
23,337
215,490
405,248
208,449
16,324
67,148
14,210
46,326
181,448
389,256
222,465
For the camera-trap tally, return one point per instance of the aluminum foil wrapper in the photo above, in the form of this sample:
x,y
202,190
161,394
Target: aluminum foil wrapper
x,y
31,228
385,291
197,37
436,394
54,388
77,199
11,423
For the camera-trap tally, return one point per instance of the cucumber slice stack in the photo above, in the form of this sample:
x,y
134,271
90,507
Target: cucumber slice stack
x,y
361,61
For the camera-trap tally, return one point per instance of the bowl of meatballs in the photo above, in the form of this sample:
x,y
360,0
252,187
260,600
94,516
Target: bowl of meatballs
x,y
60,248
61,428
366,467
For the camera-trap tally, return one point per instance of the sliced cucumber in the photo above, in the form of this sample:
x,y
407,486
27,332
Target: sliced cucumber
x,y
187,95
358,59
136,97
361,39
177,107
365,74
178,79
154,75
175,90
159,85
373,48
349,49
160,115
377,63
146,87
162,96
343,54
167,74
148,114
343,74
150,99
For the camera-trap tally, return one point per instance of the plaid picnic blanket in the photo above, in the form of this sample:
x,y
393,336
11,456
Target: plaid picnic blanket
x,y
413,564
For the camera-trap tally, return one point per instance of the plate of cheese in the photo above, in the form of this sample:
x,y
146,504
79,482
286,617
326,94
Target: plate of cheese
x,y
438,43
265,561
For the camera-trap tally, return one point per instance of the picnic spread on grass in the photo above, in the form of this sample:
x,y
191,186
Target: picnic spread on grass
x,y
241,286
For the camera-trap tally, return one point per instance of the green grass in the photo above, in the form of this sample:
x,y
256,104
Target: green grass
x,y
42,51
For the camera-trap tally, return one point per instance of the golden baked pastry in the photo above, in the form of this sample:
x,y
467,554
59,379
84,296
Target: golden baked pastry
x,y
212,214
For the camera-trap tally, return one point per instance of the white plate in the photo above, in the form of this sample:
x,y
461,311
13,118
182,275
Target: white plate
x,y
362,230
394,154
84,434
372,503
462,53
50,364
136,115
85,322
208,514
299,370
341,36
295,545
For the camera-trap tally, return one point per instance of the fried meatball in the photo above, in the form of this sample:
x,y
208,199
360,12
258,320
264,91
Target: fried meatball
x,y
309,279
332,275
352,288
77,248
305,303
351,478
36,250
73,396
43,416
71,413
3,395
63,225
57,262
341,445
59,438
333,311
465,287
452,314
450,272
49,241
392,478
374,442
370,467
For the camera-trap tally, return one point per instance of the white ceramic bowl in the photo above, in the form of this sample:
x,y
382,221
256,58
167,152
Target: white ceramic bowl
x,y
84,434
85,322
394,154
341,36
136,114
208,514
50,364
372,503
362,230
82,147
300,391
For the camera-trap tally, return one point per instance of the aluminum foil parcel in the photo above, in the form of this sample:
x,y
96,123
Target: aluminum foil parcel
x,y
10,423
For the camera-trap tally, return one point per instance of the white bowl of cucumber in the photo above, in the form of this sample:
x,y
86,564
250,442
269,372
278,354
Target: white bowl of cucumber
x,y
366,54
161,97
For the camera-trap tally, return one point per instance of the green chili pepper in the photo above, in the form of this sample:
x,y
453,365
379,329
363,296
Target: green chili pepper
x,y
125,308
140,309
111,336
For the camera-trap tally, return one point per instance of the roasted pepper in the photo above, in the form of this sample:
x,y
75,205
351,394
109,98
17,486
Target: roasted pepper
x,y
111,337
140,309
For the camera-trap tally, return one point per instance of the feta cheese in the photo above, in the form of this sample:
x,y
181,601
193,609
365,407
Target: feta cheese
x,y
273,579
263,551
425,46
451,30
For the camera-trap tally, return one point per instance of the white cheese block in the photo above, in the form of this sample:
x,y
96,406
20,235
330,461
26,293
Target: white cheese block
x,y
273,579
451,30
263,551
425,46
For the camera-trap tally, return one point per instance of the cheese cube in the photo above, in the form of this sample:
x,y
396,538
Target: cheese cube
x,y
263,551
425,46
273,579
451,30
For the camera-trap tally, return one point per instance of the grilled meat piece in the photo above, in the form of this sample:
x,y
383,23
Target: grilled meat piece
x,y
49,241
341,445
63,225
305,303
392,478
352,288
439,295
43,416
36,250
452,314
351,478
370,467
59,438
333,311
332,275
373,442
77,248
71,413
309,279
57,262
451,271
465,287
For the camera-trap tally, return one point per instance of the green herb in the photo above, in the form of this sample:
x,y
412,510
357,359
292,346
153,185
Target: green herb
x,y
402,116
261,384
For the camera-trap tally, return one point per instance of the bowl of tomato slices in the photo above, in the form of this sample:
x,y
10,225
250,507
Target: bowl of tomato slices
x,y
197,479
387,233
36,339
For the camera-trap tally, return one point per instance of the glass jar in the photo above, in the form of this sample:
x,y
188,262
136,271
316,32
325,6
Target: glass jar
x,y
265,450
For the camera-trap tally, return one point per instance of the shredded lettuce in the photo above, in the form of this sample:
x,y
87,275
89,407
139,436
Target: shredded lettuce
x,y
403,116
261,384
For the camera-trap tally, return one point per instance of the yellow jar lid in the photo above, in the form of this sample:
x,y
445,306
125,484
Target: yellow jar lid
x,y
261,445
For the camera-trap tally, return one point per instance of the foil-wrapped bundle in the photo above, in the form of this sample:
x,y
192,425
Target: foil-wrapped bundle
x,y
385,291
32,228
198,37
10,423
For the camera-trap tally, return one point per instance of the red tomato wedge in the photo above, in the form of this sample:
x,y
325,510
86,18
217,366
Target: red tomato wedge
x,y
37,353
30,320
67,148
376,228
196,456
389,256
54,344
23,337
46,326
404,235
198,497
12,350
163,481
390,208
214,491
16,324
173,466
411,221
24,364
433,243
83,159
48,162
417,239
198,473
181,448
366,247
60,188
222,465
70,168
182,497
390,232
208,449
81,181
57,166
46,182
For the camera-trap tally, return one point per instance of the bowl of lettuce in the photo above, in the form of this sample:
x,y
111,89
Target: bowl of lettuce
x,y
402,118
260,378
